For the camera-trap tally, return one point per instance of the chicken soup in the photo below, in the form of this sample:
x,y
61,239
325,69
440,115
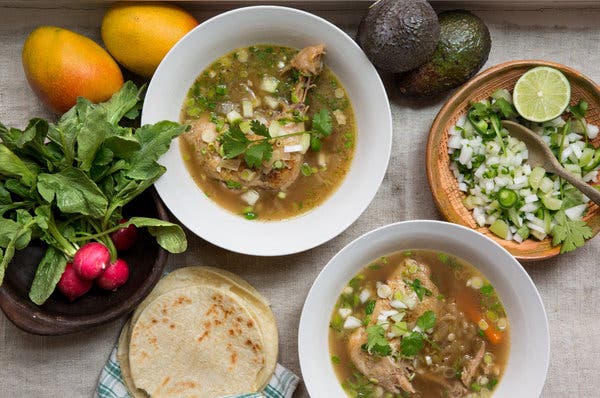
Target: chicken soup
x,y
272,131
419,324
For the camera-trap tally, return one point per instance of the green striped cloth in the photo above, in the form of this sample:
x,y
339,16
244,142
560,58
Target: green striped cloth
x,y
110,385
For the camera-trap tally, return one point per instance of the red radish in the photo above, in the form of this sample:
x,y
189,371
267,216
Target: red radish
x,y
114,276
71,285
124,238
90,260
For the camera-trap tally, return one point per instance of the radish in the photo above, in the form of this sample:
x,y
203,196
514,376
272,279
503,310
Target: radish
x,y
124,238
71,285
114,276
90,260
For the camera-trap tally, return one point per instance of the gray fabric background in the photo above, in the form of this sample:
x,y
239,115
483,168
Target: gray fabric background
x,y
68,366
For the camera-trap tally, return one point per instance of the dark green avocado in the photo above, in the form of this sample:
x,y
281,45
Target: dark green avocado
x,y
463,48
399,35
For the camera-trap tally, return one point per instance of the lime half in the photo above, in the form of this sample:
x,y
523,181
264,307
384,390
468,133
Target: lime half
x,y
542,94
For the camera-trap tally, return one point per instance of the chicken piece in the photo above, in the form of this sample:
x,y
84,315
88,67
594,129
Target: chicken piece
x,y
308,60
470,368
393,375
203,134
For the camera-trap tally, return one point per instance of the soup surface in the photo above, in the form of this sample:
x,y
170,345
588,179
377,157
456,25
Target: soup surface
x,y
422,324
272,131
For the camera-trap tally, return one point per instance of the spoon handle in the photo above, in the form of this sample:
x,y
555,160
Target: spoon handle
x,y
587,189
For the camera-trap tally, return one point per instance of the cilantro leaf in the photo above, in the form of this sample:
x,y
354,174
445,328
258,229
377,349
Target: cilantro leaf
x,y
234,142
321,123
258,153
419,289
369,307
233,184
426,321
377,344
506,108
411,345
570,234
259,129
579,110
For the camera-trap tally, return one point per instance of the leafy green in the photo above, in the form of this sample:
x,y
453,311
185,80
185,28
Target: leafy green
x,y
66,183
487,290
75,192
376,343
258,153
411,344
579,110
418,288
370,307
321,123
259,129
47,275
568,233
168,235
427,320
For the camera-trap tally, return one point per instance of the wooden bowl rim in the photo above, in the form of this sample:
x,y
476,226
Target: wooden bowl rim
x,y
464,91
34,319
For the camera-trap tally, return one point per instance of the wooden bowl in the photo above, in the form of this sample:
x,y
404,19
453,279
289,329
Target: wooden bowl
x,y
444,187
59,316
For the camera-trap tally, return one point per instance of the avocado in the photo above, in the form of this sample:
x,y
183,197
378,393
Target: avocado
x,y
463,48
399,35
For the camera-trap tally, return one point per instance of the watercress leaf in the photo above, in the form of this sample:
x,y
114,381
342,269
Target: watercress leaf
x,y
427,320
168,235
48,273
104,156
234,142
5,198
154,142
411,345
12,166
322,122
64,133
74,191
256,154
18,188
259,129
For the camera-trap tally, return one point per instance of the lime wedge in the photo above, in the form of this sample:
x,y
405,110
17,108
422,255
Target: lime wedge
x,y
541,94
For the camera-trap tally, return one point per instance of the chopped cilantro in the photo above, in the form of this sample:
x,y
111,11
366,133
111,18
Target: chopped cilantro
x,y
411,345
377,344
569,233
355,282
419,289
259,129
335,359
426,321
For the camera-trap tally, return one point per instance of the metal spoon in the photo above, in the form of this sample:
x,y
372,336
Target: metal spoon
x,y
541,155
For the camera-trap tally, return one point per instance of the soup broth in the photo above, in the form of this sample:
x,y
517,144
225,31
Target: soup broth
x,y
421,324
267,86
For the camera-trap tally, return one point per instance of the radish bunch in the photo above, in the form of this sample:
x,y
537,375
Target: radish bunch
x,y
92,262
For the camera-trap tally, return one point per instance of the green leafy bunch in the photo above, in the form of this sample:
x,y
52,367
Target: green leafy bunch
x,y
67,182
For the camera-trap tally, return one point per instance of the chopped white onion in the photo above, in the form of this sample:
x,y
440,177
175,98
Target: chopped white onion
x,y
292,148
250,197
345,312
364,295
352,323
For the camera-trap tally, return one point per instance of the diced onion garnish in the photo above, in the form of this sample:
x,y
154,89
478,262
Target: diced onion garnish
x,y
339,93
384,291
451,337
398,304
271,102
242,55
247,108
476,282
305,142
269,84
428,360
340,117
209,135
292,148
250,197
234,117
347,290
345,312
352,323
247,175
502,323
483,325
364,295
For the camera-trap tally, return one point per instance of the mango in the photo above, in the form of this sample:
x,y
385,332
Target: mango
x,y
61,65
140,34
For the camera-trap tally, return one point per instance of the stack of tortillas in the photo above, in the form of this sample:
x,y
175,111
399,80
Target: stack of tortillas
x,y
202,332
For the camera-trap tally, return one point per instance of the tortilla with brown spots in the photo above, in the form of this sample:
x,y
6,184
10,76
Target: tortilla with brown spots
x,y
196,341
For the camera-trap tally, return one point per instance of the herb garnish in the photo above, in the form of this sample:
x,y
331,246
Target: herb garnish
x,y
568,233
369,307
411,344
376,342
235,142
419,289
426,321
